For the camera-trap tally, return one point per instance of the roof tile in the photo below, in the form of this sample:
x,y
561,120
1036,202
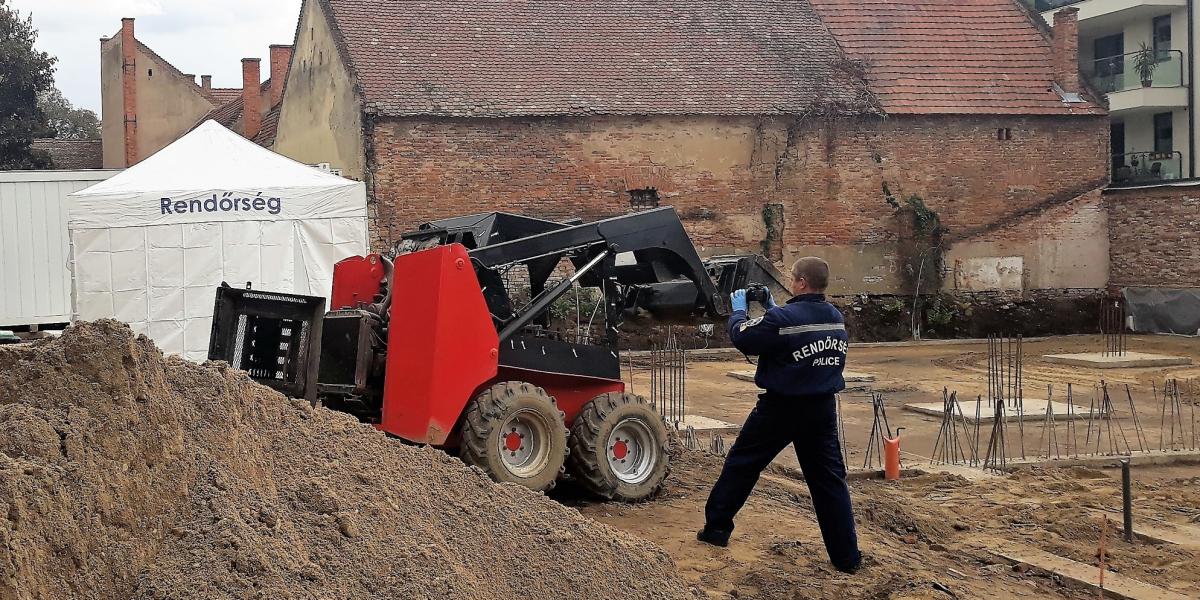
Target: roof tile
x,y
497,58
950,56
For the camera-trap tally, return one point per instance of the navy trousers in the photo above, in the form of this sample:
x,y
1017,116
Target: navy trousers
x,y
809,424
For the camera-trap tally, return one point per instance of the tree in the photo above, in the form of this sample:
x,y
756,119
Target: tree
x,y
24,73
68,122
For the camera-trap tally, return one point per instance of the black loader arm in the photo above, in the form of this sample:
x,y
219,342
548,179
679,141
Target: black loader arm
x,y
647,255
660,247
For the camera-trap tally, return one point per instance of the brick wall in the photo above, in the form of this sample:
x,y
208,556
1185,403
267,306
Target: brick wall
x,y
828,175
1154,236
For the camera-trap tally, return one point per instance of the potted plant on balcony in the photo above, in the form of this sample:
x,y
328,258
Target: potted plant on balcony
x,y
1144,63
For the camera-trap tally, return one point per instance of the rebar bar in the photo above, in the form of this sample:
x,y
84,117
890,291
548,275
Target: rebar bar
x,y
1138,432
717,445
1112,327
978,420
879,428
973,443
1072,428
1111,409
996,458
1048,424
668,379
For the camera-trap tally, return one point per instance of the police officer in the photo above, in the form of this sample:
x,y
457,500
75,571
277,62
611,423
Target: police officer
x,y
802,349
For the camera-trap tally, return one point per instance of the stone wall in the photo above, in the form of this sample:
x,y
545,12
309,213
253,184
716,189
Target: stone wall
x,y
1154,236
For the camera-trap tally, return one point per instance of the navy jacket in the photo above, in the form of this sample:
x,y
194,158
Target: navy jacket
x,y
801,346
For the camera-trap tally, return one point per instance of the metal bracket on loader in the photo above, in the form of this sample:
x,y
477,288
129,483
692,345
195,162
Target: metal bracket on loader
x,y
271,336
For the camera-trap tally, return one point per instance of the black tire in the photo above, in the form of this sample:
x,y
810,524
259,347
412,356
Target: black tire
x,y
590,460
529,413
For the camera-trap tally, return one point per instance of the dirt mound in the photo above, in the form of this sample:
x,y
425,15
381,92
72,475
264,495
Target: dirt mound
x,y
126,474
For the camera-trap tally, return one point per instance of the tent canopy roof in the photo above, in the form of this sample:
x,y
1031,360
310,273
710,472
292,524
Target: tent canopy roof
x,y
213,157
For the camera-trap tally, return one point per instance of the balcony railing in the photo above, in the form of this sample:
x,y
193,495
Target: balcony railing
x,y
1146,167
1117,73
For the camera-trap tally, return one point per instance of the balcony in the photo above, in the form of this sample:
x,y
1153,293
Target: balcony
x,y
1105,14
1139,168
1118,78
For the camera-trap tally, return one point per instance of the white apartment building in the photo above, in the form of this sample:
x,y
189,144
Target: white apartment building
x,y
1139,54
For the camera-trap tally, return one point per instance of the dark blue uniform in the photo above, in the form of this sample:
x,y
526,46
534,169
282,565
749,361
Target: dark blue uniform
x,y
802,350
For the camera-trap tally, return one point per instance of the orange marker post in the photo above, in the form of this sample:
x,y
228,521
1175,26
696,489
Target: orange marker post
x,y
891,457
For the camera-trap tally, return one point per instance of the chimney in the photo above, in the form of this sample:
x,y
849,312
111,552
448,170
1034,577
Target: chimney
x,y
281,58
190,77
129,89
206,84
1066,49
251,97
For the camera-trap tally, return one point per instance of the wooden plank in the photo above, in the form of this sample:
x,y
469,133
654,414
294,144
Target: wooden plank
x,y
1115,584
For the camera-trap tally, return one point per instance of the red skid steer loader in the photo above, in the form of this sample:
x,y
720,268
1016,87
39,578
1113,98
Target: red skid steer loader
x,y
455,339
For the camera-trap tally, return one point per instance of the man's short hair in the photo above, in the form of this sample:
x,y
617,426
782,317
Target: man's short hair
x,y
813,270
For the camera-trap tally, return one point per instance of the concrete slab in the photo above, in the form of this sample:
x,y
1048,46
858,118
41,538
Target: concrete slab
x,y
1115,584
1035,411
1099,360
1111,461
849,376
702,423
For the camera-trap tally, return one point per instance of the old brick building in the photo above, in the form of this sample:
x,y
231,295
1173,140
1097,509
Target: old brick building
x,y
774,125
147,103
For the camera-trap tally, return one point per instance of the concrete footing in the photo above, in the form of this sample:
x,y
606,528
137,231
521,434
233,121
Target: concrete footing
x,y
1034,410
1101,360
849,376
701,423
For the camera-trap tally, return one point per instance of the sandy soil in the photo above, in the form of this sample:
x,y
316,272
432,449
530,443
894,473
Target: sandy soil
x,y
127,475
928,536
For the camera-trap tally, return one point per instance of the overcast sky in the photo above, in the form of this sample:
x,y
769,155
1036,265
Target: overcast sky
x,y
197,36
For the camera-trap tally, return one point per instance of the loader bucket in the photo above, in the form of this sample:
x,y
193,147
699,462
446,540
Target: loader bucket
x,y
274,337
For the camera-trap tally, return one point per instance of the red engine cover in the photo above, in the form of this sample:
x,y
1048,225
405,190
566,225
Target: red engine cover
x,y
356,280
442,345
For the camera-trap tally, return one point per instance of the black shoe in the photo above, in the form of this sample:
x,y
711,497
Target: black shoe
x,y
856,567
716,538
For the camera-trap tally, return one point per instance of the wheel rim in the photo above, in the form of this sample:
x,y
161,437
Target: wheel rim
x,y
631,451
524,443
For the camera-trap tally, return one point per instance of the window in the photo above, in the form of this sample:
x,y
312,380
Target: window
x,y
1108,51
643,198
1162,37
149,72
1004,134
1163,133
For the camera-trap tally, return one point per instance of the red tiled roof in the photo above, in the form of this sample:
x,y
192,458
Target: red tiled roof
x,y
230,112
950,56
222,95
498,58
71,154
270,125
227,114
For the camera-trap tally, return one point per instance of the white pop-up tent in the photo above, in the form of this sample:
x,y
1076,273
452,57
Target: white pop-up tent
x,y
150,245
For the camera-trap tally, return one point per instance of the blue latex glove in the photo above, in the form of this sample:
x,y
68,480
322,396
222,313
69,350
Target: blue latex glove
x,y
738,300
769,303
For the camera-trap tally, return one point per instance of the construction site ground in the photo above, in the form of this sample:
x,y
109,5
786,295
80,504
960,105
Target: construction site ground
x,y
944,532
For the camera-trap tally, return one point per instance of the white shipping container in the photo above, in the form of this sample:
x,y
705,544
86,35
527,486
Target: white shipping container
x,y
35,276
